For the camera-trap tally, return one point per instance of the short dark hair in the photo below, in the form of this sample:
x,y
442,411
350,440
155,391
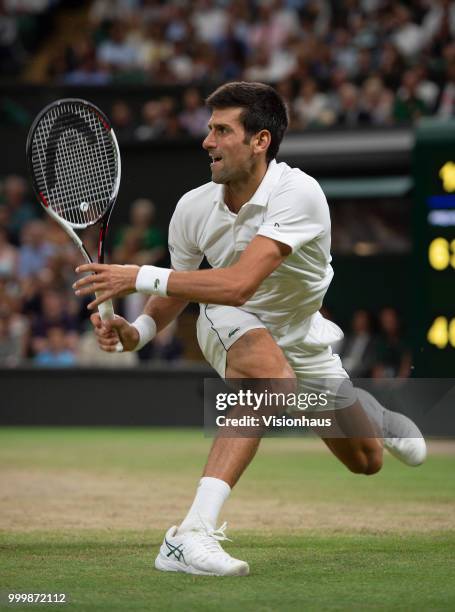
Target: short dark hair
x,y
263,109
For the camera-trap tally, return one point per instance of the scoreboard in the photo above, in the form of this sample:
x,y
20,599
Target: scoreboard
x,y
433,316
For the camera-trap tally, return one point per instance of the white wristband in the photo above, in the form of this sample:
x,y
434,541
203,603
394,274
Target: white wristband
x,y
152,280
146,327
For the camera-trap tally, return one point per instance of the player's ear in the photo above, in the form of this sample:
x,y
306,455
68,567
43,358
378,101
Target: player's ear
x,y
262,141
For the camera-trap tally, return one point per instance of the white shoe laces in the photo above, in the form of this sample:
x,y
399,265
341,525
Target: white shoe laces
x,y
211,538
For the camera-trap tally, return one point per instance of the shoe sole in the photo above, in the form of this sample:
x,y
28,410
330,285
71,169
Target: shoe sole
x,y
166,565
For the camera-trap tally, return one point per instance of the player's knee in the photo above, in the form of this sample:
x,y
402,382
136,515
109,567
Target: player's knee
x,y
365,461
374,463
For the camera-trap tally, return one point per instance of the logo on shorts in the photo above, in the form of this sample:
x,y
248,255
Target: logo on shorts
x,y
156,284
231,333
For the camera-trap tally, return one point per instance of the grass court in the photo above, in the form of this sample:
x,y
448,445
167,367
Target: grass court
x,y
83,512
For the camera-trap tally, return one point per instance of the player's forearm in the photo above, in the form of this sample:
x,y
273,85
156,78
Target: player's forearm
x,y
216,286
164,310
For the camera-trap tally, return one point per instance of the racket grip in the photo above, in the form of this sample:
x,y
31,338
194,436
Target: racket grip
x,y
106,311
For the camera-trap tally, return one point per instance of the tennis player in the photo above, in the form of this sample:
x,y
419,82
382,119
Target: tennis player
x,y
265,230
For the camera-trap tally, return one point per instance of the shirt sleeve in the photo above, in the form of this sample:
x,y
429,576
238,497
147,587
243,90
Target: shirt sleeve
x,y
297,213
184,252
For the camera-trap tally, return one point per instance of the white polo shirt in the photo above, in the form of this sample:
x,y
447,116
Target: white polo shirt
x,y
289,206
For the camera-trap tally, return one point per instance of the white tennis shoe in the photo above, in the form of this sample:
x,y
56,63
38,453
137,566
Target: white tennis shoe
x,y
403,439
198,552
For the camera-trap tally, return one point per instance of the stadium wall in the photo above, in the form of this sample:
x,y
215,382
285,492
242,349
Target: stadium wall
x,y
121,397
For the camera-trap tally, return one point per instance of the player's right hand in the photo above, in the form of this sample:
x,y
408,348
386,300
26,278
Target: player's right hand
x,y
108,333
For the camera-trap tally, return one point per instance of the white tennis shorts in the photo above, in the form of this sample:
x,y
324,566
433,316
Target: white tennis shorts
x,y
306,347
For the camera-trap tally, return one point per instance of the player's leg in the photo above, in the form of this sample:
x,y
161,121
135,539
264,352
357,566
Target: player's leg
x,y
366,429
401,436
255,355
360,454
367,425
194,546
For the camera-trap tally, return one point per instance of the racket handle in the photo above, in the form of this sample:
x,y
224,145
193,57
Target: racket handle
x,y
106,311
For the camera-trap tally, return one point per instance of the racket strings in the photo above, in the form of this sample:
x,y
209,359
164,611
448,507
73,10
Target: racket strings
x,y
75,163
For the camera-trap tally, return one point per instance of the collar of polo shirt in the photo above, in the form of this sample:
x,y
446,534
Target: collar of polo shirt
x,y
262,193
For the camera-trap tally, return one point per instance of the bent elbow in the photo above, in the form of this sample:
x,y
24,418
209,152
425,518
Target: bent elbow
x,y
236,301
241,295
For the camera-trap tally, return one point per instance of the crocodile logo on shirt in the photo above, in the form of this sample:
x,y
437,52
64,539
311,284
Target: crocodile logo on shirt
x,y
231,333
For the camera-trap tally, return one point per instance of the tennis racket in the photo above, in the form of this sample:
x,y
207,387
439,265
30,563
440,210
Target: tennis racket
x,y
74,163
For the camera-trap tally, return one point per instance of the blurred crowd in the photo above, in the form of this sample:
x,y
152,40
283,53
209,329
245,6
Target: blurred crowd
x,y
42,323
349,62
374,345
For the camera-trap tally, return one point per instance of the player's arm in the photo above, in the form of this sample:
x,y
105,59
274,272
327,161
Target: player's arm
x,y
233,285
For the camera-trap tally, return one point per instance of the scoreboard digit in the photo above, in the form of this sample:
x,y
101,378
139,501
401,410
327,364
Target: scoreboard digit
x,y
433,316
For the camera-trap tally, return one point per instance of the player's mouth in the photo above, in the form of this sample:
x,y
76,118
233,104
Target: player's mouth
x,y
216,159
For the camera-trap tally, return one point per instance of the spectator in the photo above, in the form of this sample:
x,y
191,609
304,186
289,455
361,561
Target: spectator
x,y
11,50
344,52
116,52
20,209
232,51
56,352
13,335
311,107
274,26
209,21
205,64
178,25
4,218
407,35
393,356
446,102
54,311
359,348
172,128
391,66
84,67
122,121
426,90
376,101
102,11
365,66
35,251
350,112
195,115
153,123
439,25
409,106
8,256
142,237
181,64
154,48
270,65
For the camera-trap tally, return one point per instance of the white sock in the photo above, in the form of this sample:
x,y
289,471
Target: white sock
x,y
372,407
210,497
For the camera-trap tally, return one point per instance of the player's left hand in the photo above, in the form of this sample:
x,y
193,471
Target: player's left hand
x,y
107,281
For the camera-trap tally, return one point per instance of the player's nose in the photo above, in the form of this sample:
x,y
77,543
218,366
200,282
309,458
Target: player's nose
x,y
209,142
